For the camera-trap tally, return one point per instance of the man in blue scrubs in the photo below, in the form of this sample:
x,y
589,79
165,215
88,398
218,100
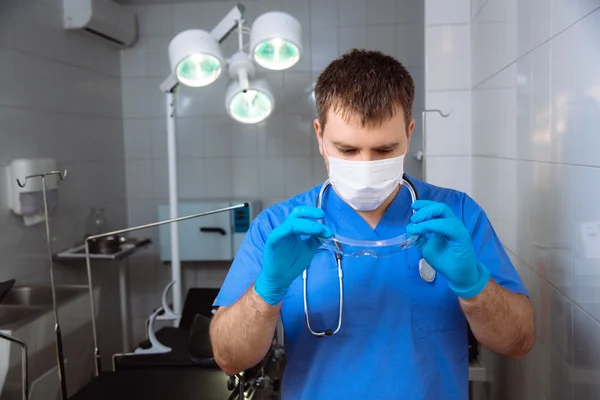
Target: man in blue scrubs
x,y
401,336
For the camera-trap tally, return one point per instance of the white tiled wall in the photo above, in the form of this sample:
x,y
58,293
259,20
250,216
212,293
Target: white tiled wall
x,y
221,158
448,89
60,97
536,171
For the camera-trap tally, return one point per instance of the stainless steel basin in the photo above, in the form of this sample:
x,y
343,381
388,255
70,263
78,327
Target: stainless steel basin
x,y
12,316
40,295
25,303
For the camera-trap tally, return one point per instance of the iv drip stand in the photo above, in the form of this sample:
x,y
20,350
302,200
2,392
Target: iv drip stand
x,y
98,363
58,335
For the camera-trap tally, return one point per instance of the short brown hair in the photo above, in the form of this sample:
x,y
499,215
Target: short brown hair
x,y
366,84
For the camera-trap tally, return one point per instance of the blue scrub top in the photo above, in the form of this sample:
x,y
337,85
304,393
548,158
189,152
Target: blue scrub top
x,y
401,337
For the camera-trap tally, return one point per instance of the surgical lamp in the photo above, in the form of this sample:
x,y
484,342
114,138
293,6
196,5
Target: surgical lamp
x,y
247,100
275,40
250,105
196,60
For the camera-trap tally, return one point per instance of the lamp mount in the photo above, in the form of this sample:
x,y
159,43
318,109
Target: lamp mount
x,y
228,23
242,68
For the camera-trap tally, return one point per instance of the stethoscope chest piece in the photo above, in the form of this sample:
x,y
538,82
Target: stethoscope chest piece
x,y
426,271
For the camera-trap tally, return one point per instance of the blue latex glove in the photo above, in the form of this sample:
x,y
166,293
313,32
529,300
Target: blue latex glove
x,y
287,254
445,244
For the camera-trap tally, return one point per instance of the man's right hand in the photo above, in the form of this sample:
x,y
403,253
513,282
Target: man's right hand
x,y
287,255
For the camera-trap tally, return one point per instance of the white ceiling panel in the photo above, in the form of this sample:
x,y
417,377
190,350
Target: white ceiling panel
x,y
142,2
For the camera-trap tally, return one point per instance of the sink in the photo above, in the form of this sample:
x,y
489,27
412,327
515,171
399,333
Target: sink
x,y
39,295
25,303
12,316
26,313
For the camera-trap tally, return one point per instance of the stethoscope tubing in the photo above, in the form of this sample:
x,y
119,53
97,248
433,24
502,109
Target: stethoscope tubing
x,y
328,332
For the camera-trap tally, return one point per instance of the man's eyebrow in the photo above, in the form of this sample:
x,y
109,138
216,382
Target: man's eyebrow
x,y
342,145
386,146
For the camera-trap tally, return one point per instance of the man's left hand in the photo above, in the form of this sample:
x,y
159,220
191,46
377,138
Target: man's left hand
x,y
445,244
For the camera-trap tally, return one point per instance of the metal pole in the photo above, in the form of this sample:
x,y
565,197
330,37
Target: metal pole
x,y
124,303
57,332
173,204
135,228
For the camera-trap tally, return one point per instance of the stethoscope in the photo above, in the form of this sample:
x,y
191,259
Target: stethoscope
x,y
426,272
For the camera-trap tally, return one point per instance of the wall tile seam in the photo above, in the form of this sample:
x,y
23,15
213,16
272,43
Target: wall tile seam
x,y
84,68
53,112
479,155
530,51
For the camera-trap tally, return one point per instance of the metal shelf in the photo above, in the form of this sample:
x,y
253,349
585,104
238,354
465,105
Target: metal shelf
x,y
128,248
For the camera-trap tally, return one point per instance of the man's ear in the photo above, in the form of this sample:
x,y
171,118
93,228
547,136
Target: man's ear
x,y
409,132
319,133
411,127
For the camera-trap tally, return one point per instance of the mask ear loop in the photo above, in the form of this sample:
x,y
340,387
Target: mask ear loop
x,y
324,147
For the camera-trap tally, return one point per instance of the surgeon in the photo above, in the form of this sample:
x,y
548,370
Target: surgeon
x,y
401,336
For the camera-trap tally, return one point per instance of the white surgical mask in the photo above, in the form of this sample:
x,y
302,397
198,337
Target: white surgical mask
x,y
365,185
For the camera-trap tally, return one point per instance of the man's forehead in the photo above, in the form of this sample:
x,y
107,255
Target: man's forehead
x,y
352,119
342,135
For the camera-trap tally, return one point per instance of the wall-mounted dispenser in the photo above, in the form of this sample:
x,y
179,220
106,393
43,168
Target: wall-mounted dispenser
x,y
28,202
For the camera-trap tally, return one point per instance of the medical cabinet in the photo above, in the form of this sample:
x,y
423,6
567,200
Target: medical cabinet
x,y
212,238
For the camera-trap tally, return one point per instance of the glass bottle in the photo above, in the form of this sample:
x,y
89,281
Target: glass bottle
x,y
96,222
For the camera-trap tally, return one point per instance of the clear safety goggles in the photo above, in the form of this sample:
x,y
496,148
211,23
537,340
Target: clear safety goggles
x,y
374,248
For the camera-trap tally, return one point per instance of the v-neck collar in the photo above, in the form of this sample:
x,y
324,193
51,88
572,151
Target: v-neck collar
x,y
345,221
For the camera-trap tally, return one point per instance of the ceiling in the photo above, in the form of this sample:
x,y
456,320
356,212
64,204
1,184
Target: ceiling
x,y
163,1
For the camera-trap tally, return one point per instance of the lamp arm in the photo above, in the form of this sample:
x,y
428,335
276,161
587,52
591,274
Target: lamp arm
x,y
169,84
228,23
